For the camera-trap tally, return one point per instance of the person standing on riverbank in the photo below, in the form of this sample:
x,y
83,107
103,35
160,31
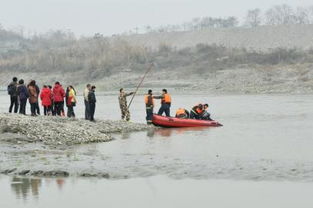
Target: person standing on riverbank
x,y
149,107
33,97
166,102
37,108
58,98
12,91
125,114
23,95
92,103
52,101
87,108
46,100
70,101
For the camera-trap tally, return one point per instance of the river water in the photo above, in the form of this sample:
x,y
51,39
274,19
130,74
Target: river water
x,y
261,157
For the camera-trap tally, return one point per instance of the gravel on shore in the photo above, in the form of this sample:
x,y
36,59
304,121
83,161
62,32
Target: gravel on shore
x,y
60,131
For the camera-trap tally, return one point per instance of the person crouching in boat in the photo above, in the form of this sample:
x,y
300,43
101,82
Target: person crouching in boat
x,y
149,107
182,113
205,114
166,101
196,111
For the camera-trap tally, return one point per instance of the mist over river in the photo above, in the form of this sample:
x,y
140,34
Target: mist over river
x,y
263,151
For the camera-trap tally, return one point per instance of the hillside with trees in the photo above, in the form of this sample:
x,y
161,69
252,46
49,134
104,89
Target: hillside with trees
x,y
271,51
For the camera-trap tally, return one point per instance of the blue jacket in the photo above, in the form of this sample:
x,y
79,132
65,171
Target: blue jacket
x,y
22,92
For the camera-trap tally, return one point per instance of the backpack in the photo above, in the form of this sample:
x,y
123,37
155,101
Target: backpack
x,y
11,90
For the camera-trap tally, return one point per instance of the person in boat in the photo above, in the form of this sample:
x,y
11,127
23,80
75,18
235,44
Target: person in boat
x,y
149,106
205,114
196,111
182,113
166,101
123,104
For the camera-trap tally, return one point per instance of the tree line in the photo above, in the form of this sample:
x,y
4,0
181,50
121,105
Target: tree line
x,y
276,15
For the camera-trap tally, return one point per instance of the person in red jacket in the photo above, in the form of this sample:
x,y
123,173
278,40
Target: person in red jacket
x,y
46,100
58,97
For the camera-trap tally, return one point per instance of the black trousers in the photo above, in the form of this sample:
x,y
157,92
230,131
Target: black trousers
x,y
47,110
92,108
58,107
149,112
37,108
33,108
23,106
165,108
70,111
14,103
87,110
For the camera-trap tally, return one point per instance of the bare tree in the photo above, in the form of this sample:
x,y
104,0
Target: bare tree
x,y
302,15
280,15
253,18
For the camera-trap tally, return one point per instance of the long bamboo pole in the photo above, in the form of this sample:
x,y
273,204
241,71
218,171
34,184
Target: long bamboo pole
x,y
140,83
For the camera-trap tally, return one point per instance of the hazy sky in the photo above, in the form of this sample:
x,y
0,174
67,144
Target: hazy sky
x,y
86,17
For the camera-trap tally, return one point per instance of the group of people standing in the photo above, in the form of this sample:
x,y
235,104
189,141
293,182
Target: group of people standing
x,y
53,99
20,93
90,102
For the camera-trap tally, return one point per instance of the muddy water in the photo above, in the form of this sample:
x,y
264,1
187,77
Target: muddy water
x,y
152,192
264,138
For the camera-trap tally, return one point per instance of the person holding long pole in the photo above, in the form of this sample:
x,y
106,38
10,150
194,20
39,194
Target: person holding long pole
x,y
123,104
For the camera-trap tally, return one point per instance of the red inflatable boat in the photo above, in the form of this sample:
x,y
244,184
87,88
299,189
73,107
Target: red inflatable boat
x,y
181,122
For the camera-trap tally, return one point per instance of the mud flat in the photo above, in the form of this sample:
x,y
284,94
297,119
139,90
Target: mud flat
x,y
60,131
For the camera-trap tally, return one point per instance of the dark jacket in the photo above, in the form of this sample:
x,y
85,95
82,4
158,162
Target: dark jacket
x,y
92,97
22,92
37,90
12,89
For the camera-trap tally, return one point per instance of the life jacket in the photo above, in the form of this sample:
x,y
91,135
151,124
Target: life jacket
x,y
180,111
166,99
199,110
149,100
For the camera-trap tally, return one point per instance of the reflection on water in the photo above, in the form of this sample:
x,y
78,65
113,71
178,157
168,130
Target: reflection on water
x,y
27,187
154,192
167,132
23,187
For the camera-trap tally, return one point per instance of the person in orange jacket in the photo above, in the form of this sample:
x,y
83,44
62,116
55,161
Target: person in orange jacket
x,y
182,113
166,102
196,111
149,106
